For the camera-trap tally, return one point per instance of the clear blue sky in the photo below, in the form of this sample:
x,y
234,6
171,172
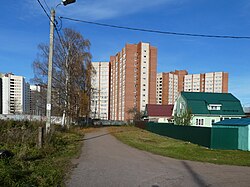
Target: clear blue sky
x,y
23,25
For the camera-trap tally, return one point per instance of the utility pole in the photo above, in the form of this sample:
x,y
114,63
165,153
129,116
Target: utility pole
x,y
51,46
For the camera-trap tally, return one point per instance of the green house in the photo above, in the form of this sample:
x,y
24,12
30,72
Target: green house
x,y
239,136
208,108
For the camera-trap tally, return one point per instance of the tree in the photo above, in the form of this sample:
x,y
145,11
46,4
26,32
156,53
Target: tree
x,y
72,69
184,118
135,114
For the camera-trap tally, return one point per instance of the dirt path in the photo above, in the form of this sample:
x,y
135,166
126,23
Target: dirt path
x,y
106,162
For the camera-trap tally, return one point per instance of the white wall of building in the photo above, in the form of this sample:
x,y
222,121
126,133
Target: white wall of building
x,y
144,76
211,82
100,94
159,82
15,94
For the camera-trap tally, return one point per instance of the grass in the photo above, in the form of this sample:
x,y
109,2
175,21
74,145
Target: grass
x,y
173,148
31,166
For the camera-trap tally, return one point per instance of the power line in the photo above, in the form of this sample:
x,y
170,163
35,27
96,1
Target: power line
x,y
44,9
57,31
46,4
158,31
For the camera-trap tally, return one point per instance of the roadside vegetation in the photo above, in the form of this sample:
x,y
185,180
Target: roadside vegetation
x,y
31,166
178,149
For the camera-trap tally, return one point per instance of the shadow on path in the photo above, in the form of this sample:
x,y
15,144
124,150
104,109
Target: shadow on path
x,y
93,137
98,136
197,179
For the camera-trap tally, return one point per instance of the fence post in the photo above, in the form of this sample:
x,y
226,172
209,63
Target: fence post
x,y
40,137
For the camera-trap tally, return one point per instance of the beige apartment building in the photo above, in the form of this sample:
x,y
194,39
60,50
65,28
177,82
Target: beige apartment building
x,y
100,93
215,82
169,85
132,79
15,95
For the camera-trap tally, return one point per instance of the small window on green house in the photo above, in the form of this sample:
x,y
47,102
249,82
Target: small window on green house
x,y
199,121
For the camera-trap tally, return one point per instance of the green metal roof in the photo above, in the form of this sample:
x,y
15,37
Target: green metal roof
x,y
198,103
234,122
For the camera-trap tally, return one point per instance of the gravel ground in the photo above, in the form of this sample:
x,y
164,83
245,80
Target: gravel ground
x,y
106,162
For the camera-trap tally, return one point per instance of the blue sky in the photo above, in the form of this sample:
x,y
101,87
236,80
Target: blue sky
x,y
23,25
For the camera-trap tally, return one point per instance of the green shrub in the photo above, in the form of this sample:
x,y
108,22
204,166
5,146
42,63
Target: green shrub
x,y
30,165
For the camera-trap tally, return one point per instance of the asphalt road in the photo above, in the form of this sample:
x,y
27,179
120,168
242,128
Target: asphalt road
x,y
106,162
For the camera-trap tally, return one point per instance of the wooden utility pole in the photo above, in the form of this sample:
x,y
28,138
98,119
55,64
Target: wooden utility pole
x,y
51,48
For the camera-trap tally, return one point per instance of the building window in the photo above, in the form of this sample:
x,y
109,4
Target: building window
x,y
214,106
200,122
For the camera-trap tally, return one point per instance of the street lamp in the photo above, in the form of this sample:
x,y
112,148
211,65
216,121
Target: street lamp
x,y
66,2
51,46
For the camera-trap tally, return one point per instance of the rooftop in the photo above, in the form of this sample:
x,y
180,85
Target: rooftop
x,y
234,122
198,102
159,110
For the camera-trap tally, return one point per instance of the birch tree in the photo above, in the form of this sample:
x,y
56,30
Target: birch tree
x,y
71,85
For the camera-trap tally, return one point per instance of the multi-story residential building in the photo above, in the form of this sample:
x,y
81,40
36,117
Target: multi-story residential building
x,y
194,83
168,86
15,95
216,82
132,79
100,93
37,100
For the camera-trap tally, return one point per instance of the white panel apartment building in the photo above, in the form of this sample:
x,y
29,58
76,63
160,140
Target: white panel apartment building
x,y
15,95
194,83
100,92
216,82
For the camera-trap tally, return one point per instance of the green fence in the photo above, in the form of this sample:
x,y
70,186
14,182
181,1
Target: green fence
x,y
197,135
215,138
224,138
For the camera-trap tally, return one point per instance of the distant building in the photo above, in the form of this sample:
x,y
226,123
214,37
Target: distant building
x,y
15,95
208,108
132,79
37,100
168,86
215,82
100,93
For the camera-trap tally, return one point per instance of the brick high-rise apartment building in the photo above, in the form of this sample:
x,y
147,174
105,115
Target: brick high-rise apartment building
x,y
132,79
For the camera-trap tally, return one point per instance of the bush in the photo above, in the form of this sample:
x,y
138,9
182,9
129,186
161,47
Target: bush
x,y
30,165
